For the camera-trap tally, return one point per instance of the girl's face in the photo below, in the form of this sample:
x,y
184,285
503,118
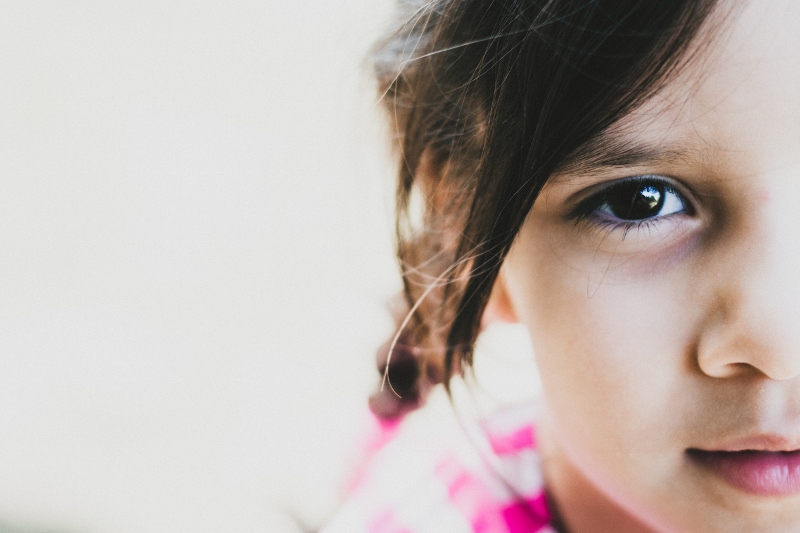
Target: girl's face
x,y
660,282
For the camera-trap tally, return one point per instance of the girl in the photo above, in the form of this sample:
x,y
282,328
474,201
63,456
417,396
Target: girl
x,y
619,176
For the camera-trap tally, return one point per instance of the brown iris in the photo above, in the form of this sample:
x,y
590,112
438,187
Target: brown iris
x,y
635,200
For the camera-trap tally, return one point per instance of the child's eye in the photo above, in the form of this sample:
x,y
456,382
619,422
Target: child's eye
x,y
633,200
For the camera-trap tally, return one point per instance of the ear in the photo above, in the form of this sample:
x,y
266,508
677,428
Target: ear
x,y
499,308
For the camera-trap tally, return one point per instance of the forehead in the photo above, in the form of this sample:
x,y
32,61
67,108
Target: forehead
x,y
738,95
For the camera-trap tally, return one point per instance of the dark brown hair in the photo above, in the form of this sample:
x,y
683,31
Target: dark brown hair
x,y
486,99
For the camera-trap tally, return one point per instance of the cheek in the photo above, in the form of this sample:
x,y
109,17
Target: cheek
x,y
613,358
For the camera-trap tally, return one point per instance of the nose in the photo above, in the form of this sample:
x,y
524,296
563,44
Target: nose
x,y
730,348
754,323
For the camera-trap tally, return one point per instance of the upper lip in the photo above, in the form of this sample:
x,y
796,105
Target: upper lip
x,y
767,442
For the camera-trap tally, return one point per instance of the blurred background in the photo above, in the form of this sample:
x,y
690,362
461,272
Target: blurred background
x,y
195,255
195,251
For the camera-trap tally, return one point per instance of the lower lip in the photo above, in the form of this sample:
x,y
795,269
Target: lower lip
x,y
758,472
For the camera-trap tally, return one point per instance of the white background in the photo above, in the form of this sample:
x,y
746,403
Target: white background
x,y
195,253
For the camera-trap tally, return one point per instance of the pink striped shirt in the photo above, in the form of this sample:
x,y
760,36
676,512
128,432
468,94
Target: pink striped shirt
x,y
434,472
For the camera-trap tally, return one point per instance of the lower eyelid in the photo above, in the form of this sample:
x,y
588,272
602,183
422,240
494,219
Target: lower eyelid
x,y
610,219
632,231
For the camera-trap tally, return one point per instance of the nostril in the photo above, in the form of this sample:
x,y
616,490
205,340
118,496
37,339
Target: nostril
x,y
728,370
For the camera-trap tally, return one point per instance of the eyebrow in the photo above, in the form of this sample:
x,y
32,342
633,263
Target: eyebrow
x,y
612,150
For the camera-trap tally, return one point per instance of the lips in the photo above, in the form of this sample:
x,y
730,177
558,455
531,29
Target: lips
x,y
762,472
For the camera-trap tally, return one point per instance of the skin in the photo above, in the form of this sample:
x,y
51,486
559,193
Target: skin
x,y
683,332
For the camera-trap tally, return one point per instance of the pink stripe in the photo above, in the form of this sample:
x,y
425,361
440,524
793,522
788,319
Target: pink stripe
x,y
470,497
527,516
379,434
510,443
382,434
387,522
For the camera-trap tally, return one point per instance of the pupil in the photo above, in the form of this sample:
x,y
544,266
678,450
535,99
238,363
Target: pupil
x,y
636,201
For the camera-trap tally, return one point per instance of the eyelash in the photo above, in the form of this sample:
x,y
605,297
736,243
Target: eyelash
x,y
587,210
625,227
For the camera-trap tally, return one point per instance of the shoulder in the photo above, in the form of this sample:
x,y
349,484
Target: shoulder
x,y
435,471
